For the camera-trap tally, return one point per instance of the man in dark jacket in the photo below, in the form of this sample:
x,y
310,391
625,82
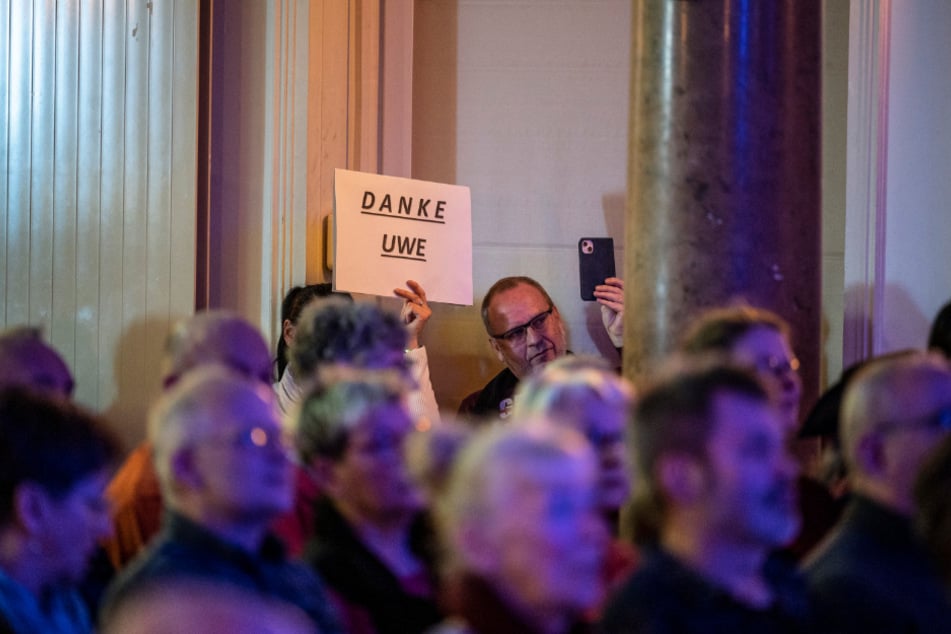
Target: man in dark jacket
x,y
526,331
873,575
715,493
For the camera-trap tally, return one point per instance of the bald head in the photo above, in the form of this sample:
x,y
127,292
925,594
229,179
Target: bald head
x,y
893,412
216,337
27,361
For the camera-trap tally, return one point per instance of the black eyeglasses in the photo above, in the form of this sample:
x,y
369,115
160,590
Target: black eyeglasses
x,y
517,334
937,421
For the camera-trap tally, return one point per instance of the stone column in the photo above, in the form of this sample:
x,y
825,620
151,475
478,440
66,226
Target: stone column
x,y
723,175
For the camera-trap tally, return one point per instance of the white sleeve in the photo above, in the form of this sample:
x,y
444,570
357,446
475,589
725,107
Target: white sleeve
x,y
422,400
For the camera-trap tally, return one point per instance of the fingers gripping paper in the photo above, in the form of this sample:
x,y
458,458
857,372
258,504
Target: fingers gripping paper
x,y
388,230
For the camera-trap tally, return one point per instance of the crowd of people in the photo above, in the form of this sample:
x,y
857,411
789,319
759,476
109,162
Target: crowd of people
x,y
321,489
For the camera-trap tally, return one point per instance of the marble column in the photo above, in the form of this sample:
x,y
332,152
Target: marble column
x,y
723,175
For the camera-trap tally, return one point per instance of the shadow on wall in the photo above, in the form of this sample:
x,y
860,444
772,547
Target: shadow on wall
x,y
138,377
904,324
435,59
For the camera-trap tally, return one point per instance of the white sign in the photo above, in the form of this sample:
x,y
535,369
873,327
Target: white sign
x,y
388,230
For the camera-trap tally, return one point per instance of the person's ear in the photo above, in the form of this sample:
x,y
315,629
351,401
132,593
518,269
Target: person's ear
x,y
497,348
31,507
870,455
287,331
480,553
185,471
681,477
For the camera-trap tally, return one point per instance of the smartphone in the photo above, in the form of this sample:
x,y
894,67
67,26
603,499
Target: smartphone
x,y
595,264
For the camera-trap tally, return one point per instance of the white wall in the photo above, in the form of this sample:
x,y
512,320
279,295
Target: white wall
x,y
918,196
898,226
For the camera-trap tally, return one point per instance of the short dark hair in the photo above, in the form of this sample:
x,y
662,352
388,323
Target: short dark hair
x,y
718,329
939,338
291,308
339,331
48,441
674,415
505,284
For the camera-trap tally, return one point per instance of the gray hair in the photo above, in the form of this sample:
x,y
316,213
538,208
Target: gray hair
x,y
190,410
567,383
494,464
335,330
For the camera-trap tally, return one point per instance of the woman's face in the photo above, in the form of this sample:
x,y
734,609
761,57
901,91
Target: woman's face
x,y
74,525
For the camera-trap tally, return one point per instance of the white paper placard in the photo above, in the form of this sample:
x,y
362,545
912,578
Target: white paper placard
x,y
388,230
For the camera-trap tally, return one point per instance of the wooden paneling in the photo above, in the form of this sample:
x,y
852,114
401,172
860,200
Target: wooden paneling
x,y
97,186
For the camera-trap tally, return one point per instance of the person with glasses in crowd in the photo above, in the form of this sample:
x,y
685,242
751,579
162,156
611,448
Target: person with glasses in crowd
x,y
526,332
225,474
761,340
874,574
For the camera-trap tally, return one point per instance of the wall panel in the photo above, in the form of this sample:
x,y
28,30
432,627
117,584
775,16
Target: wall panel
x,y
41,165
86,363
97,186
17,220
65,157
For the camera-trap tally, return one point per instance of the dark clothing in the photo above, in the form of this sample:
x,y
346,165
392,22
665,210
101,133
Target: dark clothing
x,y
481,611
665,596
873,576
184,549
492,402
819,512
364,582
58,611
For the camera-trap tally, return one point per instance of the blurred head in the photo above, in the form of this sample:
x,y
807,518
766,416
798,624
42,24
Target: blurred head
x,y
55,462
291,308
939,339
757,338
190,605
430,455
216,337
340,332
351,434
894,411
218,449
524,326
589,395
709,447
521,513
26,360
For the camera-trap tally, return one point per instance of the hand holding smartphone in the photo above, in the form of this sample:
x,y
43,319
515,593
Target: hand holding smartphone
x,y
595,264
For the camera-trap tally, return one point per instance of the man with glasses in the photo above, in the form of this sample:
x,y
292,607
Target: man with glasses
x,y
225,475
756,338
873,575
526,332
